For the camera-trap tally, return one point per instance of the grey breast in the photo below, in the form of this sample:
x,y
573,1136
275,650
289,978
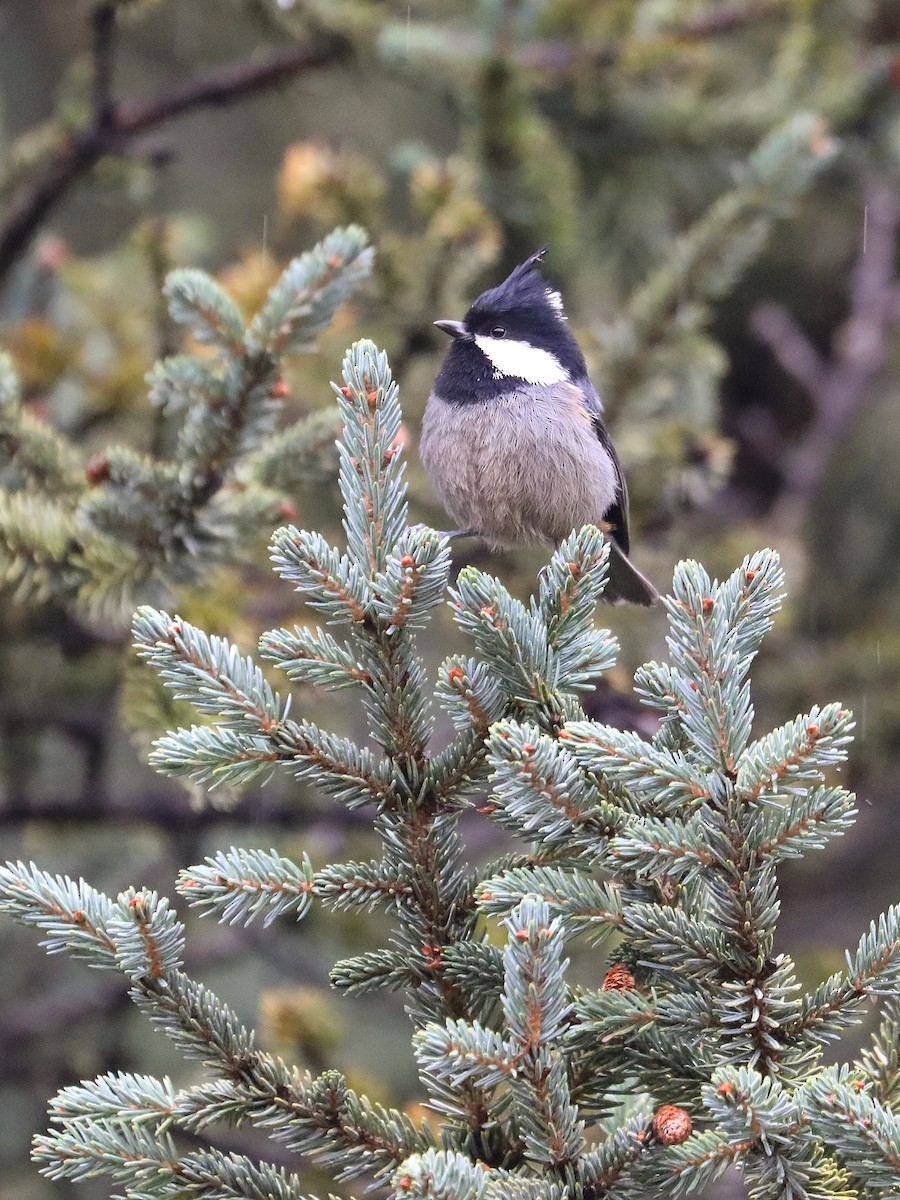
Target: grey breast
x,y
526,466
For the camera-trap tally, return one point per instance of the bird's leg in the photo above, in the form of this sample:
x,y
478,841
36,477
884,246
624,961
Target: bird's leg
x,y
449,534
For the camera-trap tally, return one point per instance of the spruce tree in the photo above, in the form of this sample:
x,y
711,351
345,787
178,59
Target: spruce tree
x,y
699,1049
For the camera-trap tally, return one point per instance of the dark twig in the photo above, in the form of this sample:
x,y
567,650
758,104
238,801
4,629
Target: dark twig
x,y
103,29
116,127
841,385
224,85
776,327
168,810
758,429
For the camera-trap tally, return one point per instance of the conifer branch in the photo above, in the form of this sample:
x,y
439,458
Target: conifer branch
x,y
35,450
870,972
91,536
865,1133
584,904
362,885
879,1063
696,1024
208,671
665,776
73,915
141,936
539,791
242,883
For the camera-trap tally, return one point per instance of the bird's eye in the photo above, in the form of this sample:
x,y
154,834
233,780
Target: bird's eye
x,y
498,331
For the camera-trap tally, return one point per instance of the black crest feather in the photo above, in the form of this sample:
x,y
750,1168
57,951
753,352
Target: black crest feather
x,y
523,287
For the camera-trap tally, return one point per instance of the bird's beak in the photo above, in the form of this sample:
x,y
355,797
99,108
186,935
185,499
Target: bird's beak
x,y
456,329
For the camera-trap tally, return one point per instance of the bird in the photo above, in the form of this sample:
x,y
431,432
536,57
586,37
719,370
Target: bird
x,y
513,439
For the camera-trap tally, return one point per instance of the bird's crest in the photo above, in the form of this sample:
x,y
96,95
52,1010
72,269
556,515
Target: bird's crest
x,y
523,287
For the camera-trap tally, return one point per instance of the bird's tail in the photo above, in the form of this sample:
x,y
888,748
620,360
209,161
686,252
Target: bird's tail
x,y
625,584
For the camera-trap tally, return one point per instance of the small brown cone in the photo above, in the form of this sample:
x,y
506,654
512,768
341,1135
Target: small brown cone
x,y
671,1125
618,979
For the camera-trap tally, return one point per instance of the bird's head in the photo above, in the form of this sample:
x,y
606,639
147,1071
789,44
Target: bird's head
x,y
516,331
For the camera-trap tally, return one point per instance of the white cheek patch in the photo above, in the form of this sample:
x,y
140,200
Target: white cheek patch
x,y
521,361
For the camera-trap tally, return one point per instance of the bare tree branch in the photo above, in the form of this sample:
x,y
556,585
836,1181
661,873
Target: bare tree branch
x,y
167,809
171,810
840,386
776,327
116,128
103,30
759,430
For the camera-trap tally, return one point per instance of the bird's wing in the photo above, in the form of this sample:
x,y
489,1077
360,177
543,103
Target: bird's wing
x,y
616,516
617,513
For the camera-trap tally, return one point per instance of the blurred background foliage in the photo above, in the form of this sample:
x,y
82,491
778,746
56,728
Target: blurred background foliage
x,y
719,183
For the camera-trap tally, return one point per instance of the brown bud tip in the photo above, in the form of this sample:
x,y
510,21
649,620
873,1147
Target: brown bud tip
x,y
751,575
725,1089
455,675
812,730
618,979
486,896
521,935
279,389
859,1085
671,1125
97,469
707,606
407,561
528,748
404,1183
286,509
346,393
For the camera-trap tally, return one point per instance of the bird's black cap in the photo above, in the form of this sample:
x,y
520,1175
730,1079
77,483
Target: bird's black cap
x,y
524,288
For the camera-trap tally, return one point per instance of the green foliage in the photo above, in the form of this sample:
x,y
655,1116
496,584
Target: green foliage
x,y
129,524
666,848
663,149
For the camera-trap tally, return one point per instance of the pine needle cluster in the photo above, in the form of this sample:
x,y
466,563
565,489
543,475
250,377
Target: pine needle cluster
x,y
699,1050
131,523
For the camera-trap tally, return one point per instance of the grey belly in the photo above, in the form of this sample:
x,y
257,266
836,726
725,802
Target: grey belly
x,y
521,468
